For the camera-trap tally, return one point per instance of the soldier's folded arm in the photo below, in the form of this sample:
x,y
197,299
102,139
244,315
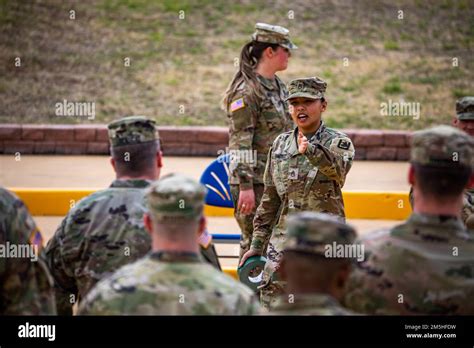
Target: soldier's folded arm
x,y
243,120
64,282
334,161
267,211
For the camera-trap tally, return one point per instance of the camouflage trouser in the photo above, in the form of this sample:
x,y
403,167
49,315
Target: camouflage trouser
x,y
245,221
270,292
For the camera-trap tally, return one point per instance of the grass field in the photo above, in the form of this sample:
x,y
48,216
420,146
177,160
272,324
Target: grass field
x,y
182,56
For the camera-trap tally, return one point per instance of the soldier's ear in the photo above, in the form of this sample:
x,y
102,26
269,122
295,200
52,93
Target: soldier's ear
x,y
159,159
324,106
411,175
112,162
470,183
455,122
337,288
202,225
148,223
268,52
343,275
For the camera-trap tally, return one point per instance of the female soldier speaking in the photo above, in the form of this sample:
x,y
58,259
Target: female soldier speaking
x,y
306,170
258,112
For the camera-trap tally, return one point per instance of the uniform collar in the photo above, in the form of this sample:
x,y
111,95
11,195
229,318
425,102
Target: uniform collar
x,y
268,83
176,256
130,183
293,148
305,301
442,226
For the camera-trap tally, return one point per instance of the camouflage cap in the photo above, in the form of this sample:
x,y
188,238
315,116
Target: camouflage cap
x,y
442,146
176,196
132,130
465,109
309,87
311,232
273,34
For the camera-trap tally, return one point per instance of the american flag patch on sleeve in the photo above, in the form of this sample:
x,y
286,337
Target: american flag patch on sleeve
x,y
205,239
237,104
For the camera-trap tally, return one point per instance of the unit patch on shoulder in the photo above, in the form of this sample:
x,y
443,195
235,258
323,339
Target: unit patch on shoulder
x,y
237,104
343,144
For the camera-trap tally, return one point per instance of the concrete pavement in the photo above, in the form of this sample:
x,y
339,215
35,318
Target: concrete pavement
x,y
96,172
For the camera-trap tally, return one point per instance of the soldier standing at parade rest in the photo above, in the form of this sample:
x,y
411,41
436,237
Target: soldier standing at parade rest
x,y
258,112
26,286
423,266
105,230
306,170
172,279
315,277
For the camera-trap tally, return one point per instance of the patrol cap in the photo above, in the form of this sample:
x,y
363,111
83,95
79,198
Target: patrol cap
x,y
442,146
132,130
309,87
273,34
176,197
465,109
311,232
251,272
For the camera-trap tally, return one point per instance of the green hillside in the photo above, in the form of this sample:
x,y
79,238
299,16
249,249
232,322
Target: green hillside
x,y
179,67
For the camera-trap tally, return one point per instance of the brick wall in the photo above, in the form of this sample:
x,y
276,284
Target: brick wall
x,y
177,141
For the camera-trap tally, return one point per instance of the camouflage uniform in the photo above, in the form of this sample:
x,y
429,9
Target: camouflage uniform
x,y
299,182
254,123
26,287
425,265
467,214
308,304
100,234
171,282
464,112
311,233
105,230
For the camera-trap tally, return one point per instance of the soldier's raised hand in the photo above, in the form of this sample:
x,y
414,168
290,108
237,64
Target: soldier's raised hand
x,y
302,143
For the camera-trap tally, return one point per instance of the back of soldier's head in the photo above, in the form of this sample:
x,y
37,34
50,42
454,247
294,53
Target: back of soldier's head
x,y
443,159
318,246
176,204
134,144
